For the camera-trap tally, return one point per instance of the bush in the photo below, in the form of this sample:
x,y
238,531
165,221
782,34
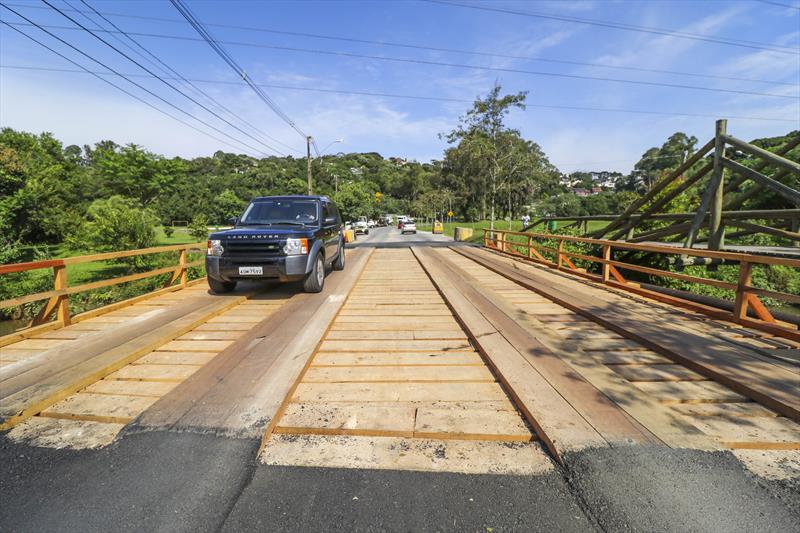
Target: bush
x,y
21,283
168,231
115,224
198,228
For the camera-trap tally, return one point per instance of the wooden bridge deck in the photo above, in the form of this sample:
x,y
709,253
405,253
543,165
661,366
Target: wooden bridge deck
x,y
455,359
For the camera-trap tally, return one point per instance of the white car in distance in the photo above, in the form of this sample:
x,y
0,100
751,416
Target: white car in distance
x,y
361,226
409,226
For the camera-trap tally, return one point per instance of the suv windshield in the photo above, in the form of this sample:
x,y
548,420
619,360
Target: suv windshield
x,y
269,212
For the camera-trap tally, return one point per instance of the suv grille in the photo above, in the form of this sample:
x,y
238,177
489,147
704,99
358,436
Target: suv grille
x,y
252,250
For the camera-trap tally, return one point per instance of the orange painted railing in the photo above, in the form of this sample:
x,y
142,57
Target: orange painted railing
x,y
746,295
58,298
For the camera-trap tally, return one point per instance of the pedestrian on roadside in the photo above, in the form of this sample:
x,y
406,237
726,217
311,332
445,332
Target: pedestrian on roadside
x,y
526,220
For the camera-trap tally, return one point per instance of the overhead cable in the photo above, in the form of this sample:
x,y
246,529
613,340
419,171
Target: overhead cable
x,y
442,98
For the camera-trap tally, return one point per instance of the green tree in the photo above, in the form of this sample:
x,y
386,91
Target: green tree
x,y
114,224
227,205
198,227
354,199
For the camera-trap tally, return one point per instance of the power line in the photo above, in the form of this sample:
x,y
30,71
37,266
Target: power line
x,y
480,67
192,20
168,69
162,80
628,27
441,49
779,4
148,91
441,98
98,76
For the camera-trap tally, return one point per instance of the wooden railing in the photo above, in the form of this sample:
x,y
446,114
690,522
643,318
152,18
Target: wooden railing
x,y
746,295
58,298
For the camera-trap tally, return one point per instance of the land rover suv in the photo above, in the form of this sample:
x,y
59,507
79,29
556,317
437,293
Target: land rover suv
x,y
289,238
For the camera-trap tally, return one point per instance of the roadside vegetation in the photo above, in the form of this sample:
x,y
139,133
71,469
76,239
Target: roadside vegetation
x,y
58,200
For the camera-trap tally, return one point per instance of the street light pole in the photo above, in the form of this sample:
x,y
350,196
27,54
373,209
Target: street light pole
x,y
308,159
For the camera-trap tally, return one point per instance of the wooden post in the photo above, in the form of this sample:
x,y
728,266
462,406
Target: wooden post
x,y
629,235
716,231
795,227
60,282
606,266
184,271
560,255
742,301
530,246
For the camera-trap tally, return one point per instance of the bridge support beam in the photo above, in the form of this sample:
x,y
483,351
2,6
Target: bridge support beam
x,y
716,231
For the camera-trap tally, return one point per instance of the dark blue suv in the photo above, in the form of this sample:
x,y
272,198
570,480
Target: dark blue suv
x,y
290,238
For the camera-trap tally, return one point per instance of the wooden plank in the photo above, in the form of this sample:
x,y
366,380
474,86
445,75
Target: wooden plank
x,y
396,358
241,389
48,432
759,431
657,372
610,422
224,326
196,335
398,374
411,320
144,372
394,345
100,407
558,424
733,411
396,392
478,424
195,346
176,358
393,326
155,389
40,388
398,453
689,391
347,419
630,357
447,334
715,358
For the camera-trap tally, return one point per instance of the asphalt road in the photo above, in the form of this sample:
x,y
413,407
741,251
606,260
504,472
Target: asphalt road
x,y
390,237
170,481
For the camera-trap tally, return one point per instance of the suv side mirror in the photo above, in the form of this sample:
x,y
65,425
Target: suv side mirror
x,y
233,221
330,220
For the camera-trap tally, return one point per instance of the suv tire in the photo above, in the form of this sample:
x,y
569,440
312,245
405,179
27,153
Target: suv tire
x,y
339,263
220,287
315,280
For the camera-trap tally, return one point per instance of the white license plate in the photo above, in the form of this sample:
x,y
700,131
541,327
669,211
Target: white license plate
x,y
251,271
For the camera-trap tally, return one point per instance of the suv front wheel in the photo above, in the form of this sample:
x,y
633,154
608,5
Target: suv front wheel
x,y
315,279
219,287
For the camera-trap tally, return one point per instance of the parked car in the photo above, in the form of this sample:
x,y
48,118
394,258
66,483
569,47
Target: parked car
x,y
289,238
371,223
409,226
362,227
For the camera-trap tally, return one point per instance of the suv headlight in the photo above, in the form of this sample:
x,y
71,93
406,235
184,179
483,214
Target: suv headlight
x,y
296,247
215,247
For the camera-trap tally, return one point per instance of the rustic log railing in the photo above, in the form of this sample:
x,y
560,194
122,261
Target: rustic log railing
x,y
525,245
713,167
58,298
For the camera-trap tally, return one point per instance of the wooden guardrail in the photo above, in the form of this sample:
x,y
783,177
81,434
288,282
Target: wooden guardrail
x,y
746,295
58,298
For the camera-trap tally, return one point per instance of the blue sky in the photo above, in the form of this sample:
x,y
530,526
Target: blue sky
x,y
79,108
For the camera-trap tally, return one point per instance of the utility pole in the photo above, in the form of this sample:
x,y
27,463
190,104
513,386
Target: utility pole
x,y
308,158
